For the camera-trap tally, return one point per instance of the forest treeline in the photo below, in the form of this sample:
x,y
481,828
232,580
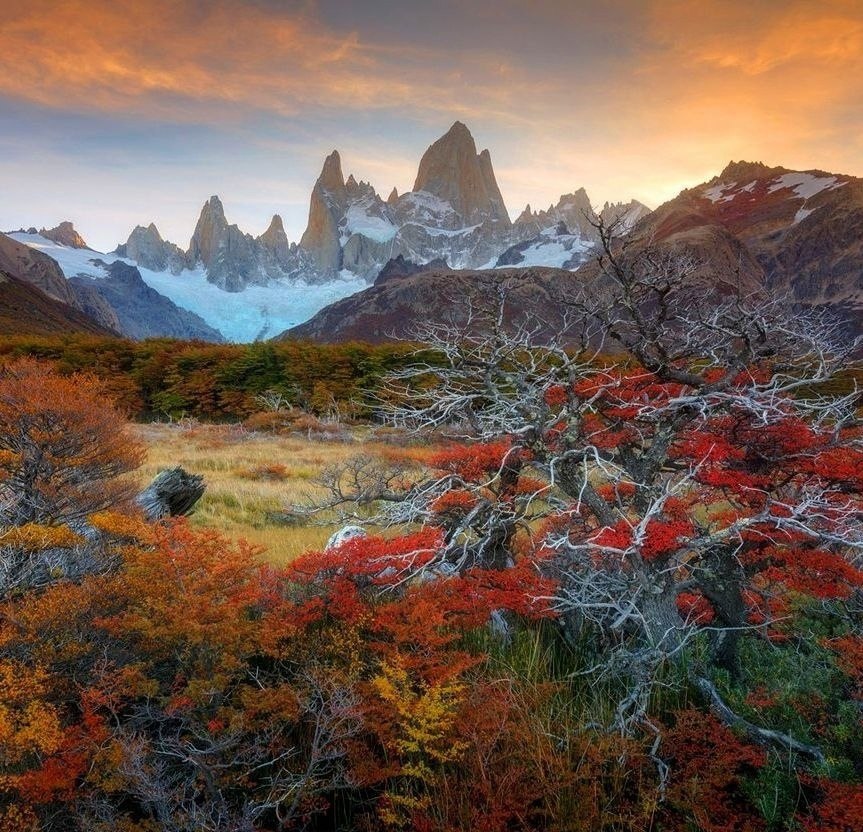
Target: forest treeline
x,y
163,378
169,379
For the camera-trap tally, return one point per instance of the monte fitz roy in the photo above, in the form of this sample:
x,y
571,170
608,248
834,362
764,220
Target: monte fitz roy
x,y
455,215
370,268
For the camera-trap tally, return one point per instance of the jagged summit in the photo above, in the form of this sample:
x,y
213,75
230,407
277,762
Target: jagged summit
x,y
65,235
208,233
275,240
332,179
276,226
452,170
147,248
455,212
742,170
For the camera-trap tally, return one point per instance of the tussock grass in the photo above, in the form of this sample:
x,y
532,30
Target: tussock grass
x,y
251,479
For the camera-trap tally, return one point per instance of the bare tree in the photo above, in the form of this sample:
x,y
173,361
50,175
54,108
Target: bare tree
x,y
646,355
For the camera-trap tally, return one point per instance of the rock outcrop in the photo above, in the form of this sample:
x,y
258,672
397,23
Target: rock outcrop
x,y
34,267
64,234
398,267
147,248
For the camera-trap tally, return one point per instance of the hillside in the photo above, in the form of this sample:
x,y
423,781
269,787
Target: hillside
x,y
395,307
26,310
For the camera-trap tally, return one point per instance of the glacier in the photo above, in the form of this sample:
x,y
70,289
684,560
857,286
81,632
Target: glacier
x,y
256,313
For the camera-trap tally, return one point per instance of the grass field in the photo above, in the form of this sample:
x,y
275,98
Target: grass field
x,y
253,477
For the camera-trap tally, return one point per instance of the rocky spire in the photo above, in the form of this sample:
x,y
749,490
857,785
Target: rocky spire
x,y
499,211
332,179
329,198
393,198
229,255
451,170
210,230
276,240
65,235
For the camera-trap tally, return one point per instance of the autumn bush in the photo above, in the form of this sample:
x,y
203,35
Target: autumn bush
x,y
621,597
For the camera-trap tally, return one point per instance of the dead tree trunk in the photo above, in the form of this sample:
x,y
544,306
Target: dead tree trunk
x,y
172,493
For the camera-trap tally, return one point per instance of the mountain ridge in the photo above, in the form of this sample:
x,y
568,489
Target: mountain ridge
x,y
792,233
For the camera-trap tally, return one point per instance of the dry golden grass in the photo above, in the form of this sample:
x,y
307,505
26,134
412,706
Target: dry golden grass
x,y
249,477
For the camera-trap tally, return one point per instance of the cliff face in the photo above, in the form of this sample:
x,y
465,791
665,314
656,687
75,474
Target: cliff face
x,y
35,268
326,207
452,170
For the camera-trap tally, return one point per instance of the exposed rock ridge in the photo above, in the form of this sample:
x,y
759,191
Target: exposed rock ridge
x,y
64,234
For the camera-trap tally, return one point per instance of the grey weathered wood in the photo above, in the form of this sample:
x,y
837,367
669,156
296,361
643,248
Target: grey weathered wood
x,y
172,493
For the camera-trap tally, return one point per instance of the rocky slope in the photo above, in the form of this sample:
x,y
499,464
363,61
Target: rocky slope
x,y
27,310
141,311
398,305
797,233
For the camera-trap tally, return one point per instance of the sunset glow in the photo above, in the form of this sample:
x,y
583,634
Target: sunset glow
x,y
130,111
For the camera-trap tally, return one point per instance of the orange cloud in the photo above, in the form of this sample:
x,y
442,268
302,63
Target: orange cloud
x,y
691,83
198,61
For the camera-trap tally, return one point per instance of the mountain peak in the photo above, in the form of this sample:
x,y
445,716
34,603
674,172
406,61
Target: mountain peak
x,y
214,210
393,198
147,248
276,225
64,234
742,170
332,178
151,228
452,170
459,128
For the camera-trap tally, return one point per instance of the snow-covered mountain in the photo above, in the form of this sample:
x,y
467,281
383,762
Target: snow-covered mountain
x,y
249,287
455,213
260,311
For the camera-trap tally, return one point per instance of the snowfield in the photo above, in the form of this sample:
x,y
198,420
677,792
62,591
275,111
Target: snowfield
x,y
805,185
256,313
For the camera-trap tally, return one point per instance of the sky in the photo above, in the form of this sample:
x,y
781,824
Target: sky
x,y
131,111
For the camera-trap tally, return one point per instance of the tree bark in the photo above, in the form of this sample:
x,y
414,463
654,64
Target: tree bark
x,y
172,493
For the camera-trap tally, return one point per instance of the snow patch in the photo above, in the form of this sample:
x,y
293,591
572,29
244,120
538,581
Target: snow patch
x,y
359,221
718,192
553,251
805,185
